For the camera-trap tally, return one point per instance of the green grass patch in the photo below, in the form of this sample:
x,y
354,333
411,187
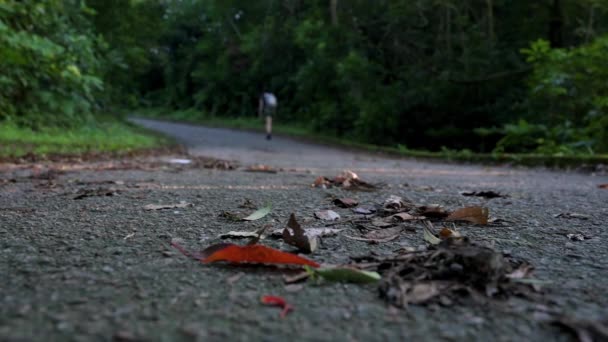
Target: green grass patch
x,y
306,133
107,136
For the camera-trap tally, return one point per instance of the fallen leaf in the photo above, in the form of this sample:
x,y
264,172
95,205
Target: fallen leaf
x,y
321,182
299,239
406,217
384,234
181,204
278,301
83,193
448,233
476,215
261,168
523,271
486,194
576,237
427,231
238,235
364,210
344,274
603,186
345,202
258,214
572,216
418,293
251,254
381,223
433,211
327,215
395,204
318,232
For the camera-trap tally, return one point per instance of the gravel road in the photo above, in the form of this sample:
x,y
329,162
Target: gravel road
x,y
81,259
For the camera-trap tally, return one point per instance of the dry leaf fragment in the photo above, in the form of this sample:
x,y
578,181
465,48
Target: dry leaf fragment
x,y
603,186
345,202
238,235
382,223
278,301
448,233
476,215
321,182
572,216
299,239
433,211
384,234
406,217
576,237
486,194
327,215
261,168
364,210
181,204
395,204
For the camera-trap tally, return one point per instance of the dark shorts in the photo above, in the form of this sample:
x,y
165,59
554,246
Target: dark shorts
x,y
269,111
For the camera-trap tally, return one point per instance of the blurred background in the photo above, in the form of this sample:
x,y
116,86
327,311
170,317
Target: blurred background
x,y
492,76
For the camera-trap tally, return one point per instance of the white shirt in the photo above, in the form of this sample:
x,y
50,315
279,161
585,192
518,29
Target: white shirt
x,y
270,100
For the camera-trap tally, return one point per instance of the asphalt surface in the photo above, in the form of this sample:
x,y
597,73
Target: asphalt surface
x,y
100,267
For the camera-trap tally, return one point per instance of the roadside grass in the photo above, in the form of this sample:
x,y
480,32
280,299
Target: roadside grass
x,y
305,133
105,136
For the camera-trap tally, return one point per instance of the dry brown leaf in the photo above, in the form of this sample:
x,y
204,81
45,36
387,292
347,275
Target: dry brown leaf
x,y
603,186
327,215
345,202
299,239
433,211
448,233
321,182
406,217
261,168
476,215
485,194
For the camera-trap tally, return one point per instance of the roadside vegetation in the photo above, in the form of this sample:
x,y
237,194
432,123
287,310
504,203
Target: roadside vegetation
x,y
444,78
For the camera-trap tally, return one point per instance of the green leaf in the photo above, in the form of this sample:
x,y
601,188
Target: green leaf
x,y
429,237
258,214
344,274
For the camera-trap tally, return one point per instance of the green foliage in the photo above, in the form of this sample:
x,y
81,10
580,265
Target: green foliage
x,y
48,63
569,94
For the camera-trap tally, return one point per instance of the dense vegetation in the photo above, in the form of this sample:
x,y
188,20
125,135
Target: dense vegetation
x,y
485,75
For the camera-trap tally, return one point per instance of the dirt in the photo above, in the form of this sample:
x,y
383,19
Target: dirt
x,y
100,267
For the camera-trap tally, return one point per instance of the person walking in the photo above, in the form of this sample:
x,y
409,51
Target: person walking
x,y
267,107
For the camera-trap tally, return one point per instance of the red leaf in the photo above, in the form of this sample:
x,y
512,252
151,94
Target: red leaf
x,y
278,301
256,254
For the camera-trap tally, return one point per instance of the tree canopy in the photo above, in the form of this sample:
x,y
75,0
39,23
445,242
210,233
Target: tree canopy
x,y
469,74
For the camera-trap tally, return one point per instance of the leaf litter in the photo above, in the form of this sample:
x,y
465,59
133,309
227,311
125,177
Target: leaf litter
x,y
449,270
258,214
346,179
278,301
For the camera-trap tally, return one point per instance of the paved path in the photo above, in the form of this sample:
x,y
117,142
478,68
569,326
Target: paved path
x,y
97,267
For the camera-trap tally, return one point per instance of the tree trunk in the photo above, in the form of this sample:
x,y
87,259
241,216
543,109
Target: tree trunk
x,y
333,8
491,34
556,25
